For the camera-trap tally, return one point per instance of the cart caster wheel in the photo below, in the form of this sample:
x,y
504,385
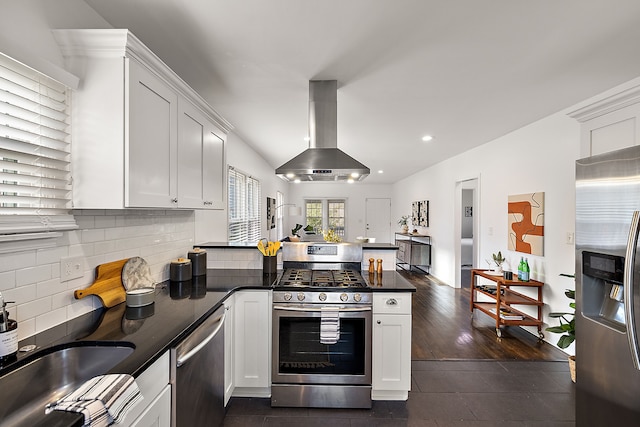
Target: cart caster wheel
x,y
498,333
540,336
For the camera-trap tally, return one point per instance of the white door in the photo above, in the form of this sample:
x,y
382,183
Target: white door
x,y
378,219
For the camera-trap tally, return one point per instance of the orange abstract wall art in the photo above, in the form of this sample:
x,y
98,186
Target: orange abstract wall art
x,y
526,223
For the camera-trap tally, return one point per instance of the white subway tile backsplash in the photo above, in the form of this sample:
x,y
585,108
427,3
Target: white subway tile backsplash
x,y
32,278
51,255
16,260
107,221
20,294
29,275
26,328
83,306
7,280
51,318
94,235
49,288
34,308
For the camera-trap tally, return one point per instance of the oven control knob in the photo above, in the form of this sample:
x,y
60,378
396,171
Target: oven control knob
x,y
287,296
322,296
300,296
357,297
344,297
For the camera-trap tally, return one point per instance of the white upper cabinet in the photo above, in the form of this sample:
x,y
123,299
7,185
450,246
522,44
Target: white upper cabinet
x,y
610,123
141,137
151,142
201,161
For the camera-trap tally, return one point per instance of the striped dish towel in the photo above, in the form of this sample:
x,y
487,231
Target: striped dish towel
x,y
103,400
329,325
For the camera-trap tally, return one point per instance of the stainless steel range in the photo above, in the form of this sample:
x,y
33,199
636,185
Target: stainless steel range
x,y
321,328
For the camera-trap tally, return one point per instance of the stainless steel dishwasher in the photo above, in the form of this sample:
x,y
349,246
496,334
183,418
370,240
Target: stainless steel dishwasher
x,y
197,375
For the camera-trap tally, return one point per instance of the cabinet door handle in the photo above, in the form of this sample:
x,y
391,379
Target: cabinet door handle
x,y
378,322
392,301
175,200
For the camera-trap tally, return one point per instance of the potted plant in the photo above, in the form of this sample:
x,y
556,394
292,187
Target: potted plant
x,y
498,260
567,328
404,222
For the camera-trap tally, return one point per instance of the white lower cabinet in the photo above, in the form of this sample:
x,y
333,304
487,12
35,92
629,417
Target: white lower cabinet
x,y
155,408
391,346
252,343
228,348
158,413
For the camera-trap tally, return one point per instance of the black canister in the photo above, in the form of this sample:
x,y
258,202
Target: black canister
x,y
269,265
180,290
180,270
198,259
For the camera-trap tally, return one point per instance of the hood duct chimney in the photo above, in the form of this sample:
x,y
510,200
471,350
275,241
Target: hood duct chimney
x,y
323,161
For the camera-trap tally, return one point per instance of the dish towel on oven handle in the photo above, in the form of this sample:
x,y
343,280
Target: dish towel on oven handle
x,y
329,325
103,400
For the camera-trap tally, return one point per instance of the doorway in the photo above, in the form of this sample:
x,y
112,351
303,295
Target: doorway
x,y
378,220
467,214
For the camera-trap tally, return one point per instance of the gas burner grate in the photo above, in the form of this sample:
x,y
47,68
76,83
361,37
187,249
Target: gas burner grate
x,y
322,278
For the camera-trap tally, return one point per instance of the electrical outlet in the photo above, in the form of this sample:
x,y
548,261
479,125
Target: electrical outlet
x,y
70,268
570,238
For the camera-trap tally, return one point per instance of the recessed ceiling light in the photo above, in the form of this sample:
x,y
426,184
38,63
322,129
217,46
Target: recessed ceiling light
x,y
297,181
290,175
355,174
350,180
380,171
427,138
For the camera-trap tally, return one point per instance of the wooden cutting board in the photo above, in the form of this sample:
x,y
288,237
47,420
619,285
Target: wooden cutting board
x,y
108,284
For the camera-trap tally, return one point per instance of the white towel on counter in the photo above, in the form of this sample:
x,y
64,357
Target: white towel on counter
x,y
103,400
329,325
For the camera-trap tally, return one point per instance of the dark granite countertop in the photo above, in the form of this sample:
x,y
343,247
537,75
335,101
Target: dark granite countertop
x,y
246,245
178,309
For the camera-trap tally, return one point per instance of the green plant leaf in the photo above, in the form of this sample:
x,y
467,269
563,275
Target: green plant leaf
x,y
565,341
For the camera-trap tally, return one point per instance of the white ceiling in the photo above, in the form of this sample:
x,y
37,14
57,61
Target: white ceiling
x,y
466,71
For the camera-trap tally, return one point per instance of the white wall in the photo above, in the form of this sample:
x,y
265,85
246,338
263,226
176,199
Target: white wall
x,y
536,158
356,195
31,277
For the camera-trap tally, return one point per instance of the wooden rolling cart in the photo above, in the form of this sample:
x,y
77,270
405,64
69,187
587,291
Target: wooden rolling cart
x,y
501,309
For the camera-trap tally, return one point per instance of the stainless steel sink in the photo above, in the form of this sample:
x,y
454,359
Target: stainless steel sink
x,y
25,391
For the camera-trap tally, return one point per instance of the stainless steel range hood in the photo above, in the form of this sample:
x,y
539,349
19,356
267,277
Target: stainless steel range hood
x,y
323,161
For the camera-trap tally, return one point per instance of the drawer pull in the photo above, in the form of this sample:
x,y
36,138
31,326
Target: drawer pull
x,y
392,301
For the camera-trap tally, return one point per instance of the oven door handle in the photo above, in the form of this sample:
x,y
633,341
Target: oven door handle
x,y
342,310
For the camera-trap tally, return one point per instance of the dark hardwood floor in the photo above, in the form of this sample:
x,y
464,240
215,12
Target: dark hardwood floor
x,y
443,328
462,376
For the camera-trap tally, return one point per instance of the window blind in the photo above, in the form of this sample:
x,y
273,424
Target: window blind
x,y
35,177
244,207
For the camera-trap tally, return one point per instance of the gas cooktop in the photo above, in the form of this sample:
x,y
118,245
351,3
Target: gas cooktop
x,y
305,278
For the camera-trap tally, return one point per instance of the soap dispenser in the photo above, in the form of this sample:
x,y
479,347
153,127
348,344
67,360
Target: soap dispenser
x,y
8,334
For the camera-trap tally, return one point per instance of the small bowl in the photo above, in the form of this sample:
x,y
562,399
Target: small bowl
x,y
140,297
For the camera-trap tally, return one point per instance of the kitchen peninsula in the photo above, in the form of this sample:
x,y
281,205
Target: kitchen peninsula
x,y
179,308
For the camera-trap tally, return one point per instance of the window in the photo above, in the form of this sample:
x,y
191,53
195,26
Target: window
x,y
326,214
244,207
35,159
313,209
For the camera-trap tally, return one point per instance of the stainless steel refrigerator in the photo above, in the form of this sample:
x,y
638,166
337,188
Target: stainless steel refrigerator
x,y
608,289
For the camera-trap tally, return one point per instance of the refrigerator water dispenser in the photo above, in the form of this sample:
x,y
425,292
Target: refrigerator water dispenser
x,y
602,289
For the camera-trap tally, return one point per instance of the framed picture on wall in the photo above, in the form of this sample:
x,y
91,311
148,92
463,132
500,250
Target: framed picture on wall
x,y
271,213
415,213
423,219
